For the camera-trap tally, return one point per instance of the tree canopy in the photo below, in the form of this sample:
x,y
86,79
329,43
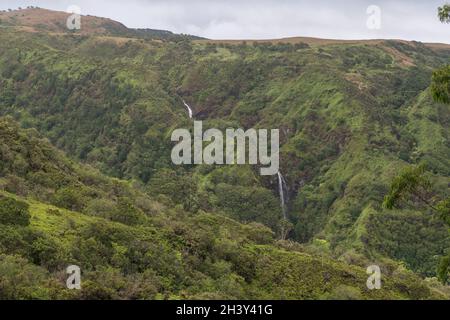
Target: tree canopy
x,y
413,186
441,77
444,13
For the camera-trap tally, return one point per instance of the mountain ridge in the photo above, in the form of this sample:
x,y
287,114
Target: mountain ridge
x,y
44,20
323,41
33,17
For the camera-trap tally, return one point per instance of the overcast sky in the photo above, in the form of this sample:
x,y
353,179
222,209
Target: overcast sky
x,y
265,19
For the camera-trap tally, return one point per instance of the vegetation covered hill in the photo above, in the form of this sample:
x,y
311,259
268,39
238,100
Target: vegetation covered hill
x,y
131,247
351,115
34,19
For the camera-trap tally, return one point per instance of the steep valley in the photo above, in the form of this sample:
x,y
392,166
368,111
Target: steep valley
x,y
85,146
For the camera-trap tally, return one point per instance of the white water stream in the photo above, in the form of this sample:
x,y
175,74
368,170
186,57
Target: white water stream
x,y
282,187
189,109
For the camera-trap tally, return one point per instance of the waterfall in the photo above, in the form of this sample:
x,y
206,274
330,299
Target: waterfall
x,y
189,109
282,189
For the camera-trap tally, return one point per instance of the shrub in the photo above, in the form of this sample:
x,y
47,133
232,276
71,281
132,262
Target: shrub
x,y
69,198
13,212
441,85
345,293
101,208
248,204
127,213
20,279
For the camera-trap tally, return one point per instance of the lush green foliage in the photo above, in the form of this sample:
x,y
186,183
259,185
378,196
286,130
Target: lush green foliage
x,y
351,116
444,13
154,251
14,212
414,186
441,85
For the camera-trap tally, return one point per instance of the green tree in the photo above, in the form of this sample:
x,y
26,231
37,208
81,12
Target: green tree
x,y
441,85
14,212
177,186
127,213
441,78
249,204
444,13
19,279
70,198
413,187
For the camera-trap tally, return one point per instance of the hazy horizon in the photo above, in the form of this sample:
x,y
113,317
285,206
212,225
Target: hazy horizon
x,y
267,19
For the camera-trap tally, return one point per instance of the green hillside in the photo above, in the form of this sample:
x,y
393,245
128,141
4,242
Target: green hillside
x,y
132,247
351,115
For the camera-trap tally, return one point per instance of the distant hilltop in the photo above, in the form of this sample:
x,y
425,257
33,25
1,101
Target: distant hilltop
x,y
34,19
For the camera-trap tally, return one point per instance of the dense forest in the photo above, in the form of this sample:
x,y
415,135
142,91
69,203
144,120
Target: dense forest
x,y
86,176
